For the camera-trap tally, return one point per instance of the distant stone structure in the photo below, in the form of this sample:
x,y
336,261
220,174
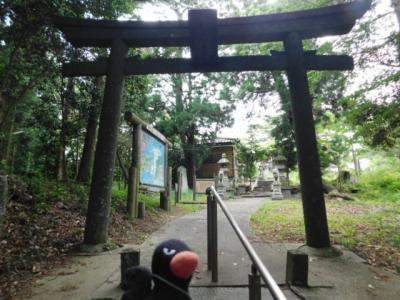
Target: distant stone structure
x,y
276,187
279,162
210,168
273,179
264,180
223,180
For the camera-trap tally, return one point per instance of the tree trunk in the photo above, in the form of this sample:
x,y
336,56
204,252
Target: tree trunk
x,y
3,201
357,170
65,107
189,162
124,171
61,170
6,141
91,129
189,155
396,7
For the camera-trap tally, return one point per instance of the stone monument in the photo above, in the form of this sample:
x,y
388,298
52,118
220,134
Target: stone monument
x,y
276,187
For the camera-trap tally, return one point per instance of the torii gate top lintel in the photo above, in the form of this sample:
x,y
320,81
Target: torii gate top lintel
x,y
203,32
330,20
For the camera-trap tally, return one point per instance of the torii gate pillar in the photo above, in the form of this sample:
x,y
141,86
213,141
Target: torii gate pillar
x,y
315,219
98,215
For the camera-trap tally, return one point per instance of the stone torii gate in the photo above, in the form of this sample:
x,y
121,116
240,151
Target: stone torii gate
x,y
203,32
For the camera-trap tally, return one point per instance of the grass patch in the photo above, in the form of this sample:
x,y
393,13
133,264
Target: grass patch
x,y
371,229
381,184
152,200
188,197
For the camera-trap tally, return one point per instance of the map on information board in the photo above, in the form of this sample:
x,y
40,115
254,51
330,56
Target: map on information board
x,y
152,169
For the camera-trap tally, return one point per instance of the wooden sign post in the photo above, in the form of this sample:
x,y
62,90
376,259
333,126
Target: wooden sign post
x,y
133,181
203,32
139,129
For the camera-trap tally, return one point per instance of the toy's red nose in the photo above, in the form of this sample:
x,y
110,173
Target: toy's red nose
x,y
184,263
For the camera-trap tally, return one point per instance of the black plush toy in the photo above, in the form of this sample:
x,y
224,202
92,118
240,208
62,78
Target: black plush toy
x,y
138,283
173,265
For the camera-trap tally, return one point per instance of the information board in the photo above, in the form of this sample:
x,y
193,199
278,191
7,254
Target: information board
x,y
153,161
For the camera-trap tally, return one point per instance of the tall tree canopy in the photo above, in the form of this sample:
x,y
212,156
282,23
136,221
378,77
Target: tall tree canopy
x,y
32,93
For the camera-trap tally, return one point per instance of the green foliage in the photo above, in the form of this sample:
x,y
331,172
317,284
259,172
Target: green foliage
x,y
110,245
377,123
119,196
372,108
336,142
326,87
382,183
197,111
31,88
249,154
47,193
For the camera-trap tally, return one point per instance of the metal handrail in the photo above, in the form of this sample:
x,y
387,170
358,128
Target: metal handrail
x,y
265,274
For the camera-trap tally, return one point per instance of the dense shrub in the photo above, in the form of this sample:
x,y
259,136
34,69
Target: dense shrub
x,y
381,182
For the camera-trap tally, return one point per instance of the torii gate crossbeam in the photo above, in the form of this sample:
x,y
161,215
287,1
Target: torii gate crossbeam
x,y
203,32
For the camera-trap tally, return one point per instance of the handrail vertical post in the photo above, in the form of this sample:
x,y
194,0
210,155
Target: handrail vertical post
x,y
214,250
272,286
254,284
209,232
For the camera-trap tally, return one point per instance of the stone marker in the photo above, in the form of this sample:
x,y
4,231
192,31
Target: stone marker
x,y
130,257
182,170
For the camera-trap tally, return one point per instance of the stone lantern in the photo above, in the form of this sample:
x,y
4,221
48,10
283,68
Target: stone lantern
x,y
280,164
276,187
223,179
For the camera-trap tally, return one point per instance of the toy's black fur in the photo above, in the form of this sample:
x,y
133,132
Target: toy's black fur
x,y
166,285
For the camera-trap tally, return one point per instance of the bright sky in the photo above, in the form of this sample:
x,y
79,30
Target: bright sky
x,y
151,12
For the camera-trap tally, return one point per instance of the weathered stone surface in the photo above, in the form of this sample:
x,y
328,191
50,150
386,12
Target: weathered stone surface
x,y
297,268
130,257
264,185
